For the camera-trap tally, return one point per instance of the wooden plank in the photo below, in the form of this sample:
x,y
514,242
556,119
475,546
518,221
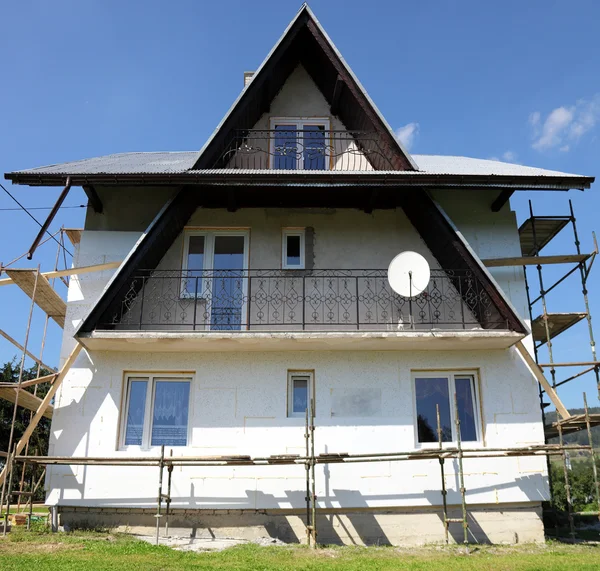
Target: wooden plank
x,y
557,323
535,260
501,200
29,354
69,271
539,375
39,380
45,296
44,405
74,235
571,364
546,228
26,399
574,424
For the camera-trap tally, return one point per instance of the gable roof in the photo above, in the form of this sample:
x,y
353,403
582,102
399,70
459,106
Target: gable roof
x,y
304,42
178,167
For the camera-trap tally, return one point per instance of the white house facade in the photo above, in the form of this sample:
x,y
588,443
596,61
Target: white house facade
x,y
253,281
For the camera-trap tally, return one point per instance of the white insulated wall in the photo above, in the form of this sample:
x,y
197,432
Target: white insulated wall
x,y
238,406
239,399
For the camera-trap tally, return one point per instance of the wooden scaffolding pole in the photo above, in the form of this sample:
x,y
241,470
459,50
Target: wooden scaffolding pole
x,y
9,462
21,348
539,375
35,383
43,406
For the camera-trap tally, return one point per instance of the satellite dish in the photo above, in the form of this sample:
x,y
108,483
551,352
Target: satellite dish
x,y
408,274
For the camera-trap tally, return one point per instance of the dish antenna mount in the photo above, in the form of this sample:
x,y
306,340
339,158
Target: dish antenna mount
x,y
408,274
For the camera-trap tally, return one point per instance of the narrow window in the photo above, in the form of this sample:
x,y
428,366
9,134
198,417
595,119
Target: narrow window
x,y
285,151
157,411
436,393
299,393
194,264
431,394
314,149
136,411
293,248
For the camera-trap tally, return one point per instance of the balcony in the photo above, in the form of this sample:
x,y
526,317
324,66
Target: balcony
x,y
313,150
277,309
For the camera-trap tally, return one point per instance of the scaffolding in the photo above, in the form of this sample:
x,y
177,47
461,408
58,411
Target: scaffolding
x,y
535,234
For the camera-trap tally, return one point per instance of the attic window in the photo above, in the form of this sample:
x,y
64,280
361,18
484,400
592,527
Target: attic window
x,y
299,143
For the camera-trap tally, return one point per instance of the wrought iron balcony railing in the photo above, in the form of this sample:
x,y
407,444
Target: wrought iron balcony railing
x,y
293,300
311,149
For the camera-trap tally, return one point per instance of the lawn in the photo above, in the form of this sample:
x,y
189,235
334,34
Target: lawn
x,y
98,551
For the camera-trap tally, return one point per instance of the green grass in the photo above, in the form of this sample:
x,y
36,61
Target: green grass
x,y
103,551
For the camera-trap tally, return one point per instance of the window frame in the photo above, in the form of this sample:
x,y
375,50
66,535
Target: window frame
x,y
297,374
451,376
285,233
299,123
209,254
151,378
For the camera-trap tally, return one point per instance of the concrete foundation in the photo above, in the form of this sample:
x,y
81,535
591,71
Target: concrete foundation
x,y
515,523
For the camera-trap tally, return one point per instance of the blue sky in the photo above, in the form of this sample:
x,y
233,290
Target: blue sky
x,y
514,80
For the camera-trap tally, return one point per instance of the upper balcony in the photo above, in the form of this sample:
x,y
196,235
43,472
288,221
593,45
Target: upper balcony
x,y
302,309
309,147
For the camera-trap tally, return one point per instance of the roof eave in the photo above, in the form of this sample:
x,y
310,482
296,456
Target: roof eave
x,y
402,179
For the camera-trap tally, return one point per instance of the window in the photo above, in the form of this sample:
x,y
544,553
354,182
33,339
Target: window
x,y
293,249
213,270
300,143
437,390
300,391
156,411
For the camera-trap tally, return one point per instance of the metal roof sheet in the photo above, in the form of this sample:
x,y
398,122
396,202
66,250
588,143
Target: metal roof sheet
x,y
183,161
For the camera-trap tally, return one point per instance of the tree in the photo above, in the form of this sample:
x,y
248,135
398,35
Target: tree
x,y
38,443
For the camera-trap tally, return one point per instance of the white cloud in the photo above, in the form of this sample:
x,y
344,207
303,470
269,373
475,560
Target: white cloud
x,y
565,123
507,156
534,119
407,134
564,149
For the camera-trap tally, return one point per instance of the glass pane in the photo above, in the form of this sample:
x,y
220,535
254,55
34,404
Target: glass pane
x,y
170,414
299,395
292,250
285,152
314,147
466,408
229,253
228,286
195,264
134,427
429,393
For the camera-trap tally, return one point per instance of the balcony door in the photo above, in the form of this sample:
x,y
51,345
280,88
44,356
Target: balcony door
x,y
299,143
214,273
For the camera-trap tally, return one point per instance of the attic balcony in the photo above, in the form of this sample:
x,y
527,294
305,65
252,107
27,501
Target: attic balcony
x,y
245,310
310,148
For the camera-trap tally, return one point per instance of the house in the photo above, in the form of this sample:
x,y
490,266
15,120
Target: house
x,y
253,281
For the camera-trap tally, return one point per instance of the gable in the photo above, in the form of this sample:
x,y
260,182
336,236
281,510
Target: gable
x,y
304,43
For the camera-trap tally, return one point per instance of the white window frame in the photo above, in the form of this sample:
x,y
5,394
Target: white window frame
x,y
299,123
451,376
209,252
285,233
292,375
151,379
